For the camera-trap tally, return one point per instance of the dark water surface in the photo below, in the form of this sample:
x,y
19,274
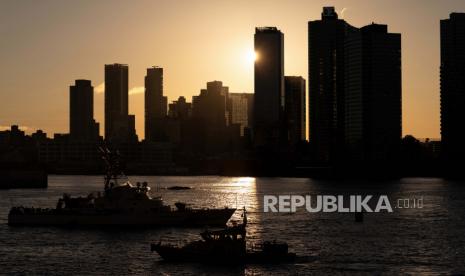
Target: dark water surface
x,y
430,240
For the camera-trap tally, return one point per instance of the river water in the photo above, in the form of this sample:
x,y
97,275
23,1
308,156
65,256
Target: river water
x,y
428,240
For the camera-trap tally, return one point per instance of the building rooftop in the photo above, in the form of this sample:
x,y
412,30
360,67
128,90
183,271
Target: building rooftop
x,y
82,82
266,29
329,13
457,15
116,65
375,28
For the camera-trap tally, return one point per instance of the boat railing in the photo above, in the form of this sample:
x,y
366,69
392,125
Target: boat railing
x,y
29,210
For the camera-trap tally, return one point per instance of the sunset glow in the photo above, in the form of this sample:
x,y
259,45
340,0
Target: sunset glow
x,y
251,57
75,41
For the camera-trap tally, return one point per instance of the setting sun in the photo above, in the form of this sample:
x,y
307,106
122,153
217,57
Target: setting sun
x,y
250,56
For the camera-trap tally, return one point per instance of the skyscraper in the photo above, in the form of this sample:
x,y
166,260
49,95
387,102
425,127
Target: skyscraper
x,y
210,105
208,129
155,104
453,86
118,123
373,94
295,109
326,39
81,111
176,125
180,109
269,85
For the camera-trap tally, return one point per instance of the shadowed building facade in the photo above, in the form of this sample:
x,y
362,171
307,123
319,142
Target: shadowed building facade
x,y
119,125
326,71
269,86
453,87
295,109
175,123
82,125
208,130
241,110
210,105
155,104
373,95
180,109
209,119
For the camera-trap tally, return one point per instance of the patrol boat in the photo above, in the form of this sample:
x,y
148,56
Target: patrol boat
x,y
227,246
122,204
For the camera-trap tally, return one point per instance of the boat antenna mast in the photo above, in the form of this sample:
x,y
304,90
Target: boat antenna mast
x,y
113,166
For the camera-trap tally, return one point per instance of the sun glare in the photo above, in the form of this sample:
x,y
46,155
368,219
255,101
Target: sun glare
x,y
250,56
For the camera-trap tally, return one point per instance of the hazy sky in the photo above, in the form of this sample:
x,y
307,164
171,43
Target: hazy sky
x,y
46,45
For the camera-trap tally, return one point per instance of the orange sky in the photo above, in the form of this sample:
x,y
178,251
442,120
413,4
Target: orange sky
x,y
45,45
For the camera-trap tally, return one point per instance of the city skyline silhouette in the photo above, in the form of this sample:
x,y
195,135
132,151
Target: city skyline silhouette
x,y
262,137
228,59
354,113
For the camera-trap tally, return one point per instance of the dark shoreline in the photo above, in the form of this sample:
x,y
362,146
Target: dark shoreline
x,y
19,178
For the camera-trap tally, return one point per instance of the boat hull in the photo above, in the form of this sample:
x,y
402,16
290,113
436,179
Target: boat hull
x,y
201,217
232,253
221,256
